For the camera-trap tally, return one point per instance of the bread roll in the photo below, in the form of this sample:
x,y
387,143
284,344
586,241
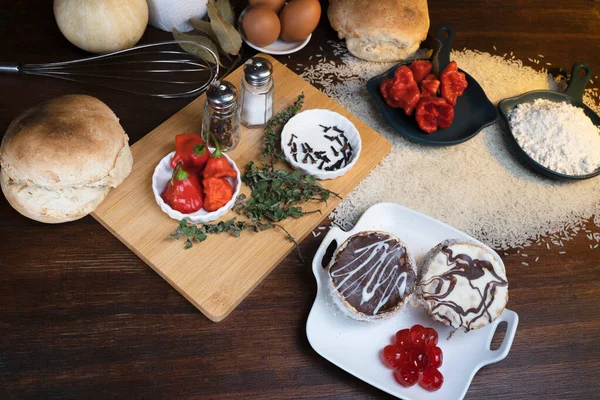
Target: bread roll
x,y
61,158
380,30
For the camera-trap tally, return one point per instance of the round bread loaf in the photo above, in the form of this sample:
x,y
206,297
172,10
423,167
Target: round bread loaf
x,y
462,284
61,158
380,30
372,275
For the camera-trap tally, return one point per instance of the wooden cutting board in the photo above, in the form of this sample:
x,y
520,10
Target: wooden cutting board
x,y
217,274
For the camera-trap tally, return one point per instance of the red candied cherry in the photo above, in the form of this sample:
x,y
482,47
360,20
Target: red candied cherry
x,y
419,359
435,356
403,338
406,376
417,335
393,356
431,337
431,379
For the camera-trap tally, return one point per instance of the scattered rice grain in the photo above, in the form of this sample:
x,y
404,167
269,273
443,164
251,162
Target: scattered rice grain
x,y
534,207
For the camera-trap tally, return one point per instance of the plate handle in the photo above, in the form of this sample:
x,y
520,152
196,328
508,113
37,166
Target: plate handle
x,y
444,38
493,356
581,73
334,233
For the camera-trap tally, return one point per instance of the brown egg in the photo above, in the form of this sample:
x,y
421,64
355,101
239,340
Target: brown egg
x,y
274,5
299,18
261,26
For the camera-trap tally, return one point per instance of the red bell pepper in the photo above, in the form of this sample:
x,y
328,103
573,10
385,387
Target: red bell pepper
x,y
217,165
191,151
429,86
183,192
403,91
420,69
434,112
217,192
454,83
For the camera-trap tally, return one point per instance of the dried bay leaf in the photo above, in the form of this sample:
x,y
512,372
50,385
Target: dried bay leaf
x,y
203,27
196,50
229,38
225,10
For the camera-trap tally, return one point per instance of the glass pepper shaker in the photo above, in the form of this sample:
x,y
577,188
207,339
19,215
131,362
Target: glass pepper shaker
x,y
221,120
257,92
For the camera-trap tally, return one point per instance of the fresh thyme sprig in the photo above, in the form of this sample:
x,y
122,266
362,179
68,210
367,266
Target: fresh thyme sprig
x,y
199,233
271,148
276,194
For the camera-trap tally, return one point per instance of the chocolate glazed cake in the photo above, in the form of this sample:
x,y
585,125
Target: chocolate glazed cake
x,y
372,275
462,285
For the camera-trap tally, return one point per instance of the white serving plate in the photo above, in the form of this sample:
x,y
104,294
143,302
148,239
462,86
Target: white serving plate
x,y
162,174
305,126
355,346
279,47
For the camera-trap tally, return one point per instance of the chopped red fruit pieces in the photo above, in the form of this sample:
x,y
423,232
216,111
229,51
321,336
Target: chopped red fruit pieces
x,y
415,357
416,87
401,91
434,112
420,69
430,86
453,82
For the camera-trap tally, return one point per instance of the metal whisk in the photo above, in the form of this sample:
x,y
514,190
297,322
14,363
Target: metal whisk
x,y
159,70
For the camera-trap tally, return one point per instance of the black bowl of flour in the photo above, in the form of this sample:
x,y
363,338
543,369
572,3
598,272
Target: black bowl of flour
x,y
573,95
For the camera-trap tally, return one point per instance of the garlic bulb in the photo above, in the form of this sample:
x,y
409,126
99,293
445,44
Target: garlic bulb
x,y
169,14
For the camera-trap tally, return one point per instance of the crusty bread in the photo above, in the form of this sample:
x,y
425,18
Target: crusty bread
x,y
61,158
380,30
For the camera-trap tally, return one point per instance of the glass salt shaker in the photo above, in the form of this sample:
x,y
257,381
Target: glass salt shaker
x,y
221,120
257,92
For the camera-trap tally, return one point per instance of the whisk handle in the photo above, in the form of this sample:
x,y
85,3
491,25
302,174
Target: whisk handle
x,y
10,68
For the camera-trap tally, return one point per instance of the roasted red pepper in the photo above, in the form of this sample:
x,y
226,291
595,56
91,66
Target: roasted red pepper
x,y
385,92
217,192
429,86
217,165
402,92
183,192
191,151
420,69
434,112
454,83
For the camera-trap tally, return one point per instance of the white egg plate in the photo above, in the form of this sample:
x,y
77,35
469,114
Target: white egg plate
x,y
279,47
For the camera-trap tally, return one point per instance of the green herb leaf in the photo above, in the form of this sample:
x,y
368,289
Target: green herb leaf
x,y
203,27
226,11
271,148
229,38
197,51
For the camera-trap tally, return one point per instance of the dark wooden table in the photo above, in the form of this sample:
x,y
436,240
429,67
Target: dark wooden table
x,y
82,317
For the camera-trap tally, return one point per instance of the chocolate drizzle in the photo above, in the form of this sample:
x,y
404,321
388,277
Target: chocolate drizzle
x,y
444,286
373,273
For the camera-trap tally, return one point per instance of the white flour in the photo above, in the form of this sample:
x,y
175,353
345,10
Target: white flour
x,y
477,186
557,135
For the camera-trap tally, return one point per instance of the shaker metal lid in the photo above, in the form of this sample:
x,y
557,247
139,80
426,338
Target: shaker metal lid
x,y
221,95
258,71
